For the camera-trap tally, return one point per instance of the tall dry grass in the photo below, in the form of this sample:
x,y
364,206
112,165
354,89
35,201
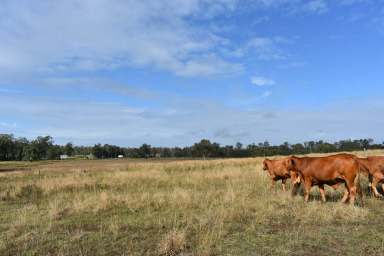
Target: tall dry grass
x,y
211,207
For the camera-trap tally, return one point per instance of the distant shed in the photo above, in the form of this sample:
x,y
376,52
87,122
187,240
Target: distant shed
x,y
64,157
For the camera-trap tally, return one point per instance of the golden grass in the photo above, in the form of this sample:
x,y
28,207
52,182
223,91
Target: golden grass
x,y
172,244
175,207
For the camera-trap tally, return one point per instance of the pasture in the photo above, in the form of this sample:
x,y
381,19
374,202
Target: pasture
x,y
175,207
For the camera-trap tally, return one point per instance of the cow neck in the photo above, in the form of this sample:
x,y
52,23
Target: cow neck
x,y
365,162
299,162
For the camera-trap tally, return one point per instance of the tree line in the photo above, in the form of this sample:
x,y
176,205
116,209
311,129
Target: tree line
x,y
44,148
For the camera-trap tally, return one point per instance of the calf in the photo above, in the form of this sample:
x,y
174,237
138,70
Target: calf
x,y
278,170
329,170
373,166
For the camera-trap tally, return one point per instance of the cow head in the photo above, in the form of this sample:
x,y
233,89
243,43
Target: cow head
x,y
265,164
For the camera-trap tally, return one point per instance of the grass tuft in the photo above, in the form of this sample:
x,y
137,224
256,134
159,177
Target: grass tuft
x,y
173,243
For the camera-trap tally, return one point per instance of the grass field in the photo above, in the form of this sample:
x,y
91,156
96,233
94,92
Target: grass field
x,y
174,207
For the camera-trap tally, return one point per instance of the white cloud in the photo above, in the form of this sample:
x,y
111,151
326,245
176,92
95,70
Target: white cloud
x,y
267,48
350,2
89,35
73,35
8,125
316,6
260,42
6,90
95,83
296,6
262,81
266,94
183,123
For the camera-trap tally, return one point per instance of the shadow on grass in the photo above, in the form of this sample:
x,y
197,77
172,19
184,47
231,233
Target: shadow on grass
x,y
334,195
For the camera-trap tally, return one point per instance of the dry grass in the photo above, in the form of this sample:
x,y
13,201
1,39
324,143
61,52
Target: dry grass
x,y
172,244
175,207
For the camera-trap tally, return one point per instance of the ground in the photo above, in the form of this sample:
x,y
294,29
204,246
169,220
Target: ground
x,y
175,207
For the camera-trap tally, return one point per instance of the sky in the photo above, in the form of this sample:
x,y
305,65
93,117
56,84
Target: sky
x,y
172,72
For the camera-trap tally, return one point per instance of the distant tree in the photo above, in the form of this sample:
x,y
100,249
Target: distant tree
x,y
366,143
20,145
6,146
227,151
97,151
166,152
54,152
42,144
145,151
43,147
285,149
266,144
309,146
68,149
82,150
205,149
38,148
298,148
31,153
180,152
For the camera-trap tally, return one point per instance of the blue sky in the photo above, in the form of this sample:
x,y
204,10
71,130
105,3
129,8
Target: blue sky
x,y
173,72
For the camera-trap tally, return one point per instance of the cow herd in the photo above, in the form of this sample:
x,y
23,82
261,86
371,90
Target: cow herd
x,y
331,170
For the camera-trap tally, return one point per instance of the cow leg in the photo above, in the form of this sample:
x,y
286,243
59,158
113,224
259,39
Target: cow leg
x,y
294,188
374,187
352,195
352,191
379,179
370,184
322,193
307,189
346,194
283,183
273,182
382,187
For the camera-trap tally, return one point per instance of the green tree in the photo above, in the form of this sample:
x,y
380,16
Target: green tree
x,y
43,143
97,151
31,153
145,151
205,149
68,149
6,146
20,145
54,152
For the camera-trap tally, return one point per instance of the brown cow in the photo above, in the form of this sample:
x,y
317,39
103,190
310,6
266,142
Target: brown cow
x,y
278,170
329,170
373,166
